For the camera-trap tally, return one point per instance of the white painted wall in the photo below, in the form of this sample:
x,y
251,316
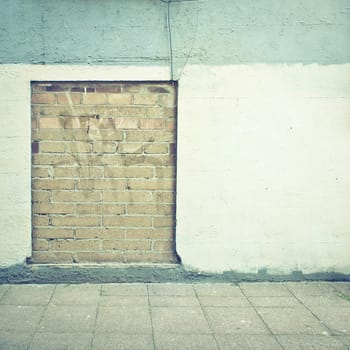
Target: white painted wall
x,y
263,163
264,168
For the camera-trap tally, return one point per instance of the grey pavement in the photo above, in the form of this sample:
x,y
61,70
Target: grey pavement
x,y
167,316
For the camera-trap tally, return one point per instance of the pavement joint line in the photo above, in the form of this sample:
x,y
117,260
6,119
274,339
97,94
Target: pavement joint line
x,y
41,318
6,291
206,317
97,310
151,317
331,333
262,320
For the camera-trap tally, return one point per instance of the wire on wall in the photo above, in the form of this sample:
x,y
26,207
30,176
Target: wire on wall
x,y
168,2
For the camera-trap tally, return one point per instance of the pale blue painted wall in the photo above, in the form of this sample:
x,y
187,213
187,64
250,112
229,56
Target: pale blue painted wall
x,y
205,31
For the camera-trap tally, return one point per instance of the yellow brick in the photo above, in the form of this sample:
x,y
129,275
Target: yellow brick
x,y
126,245
45,98
51,257
68,98
127,221
106,209
106,135
75,245
79,196
51,232
126,123
156,148
152,124
104,147
40,244
40,220
100,233
160,184
52,147
119,99
40,196
145,99
149,160
76,122
155,209
167,100
99,257
169,112
165,172
76,221
153,233
41,172
94,98
154,112
103,184
120,111
53,159
51,123
59,110
163,197
125,148
126,172
163,245
78,172
52,184
78,147
150,136
51,208
164,221
129,196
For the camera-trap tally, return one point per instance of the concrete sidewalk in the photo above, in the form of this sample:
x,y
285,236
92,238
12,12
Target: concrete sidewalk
x,y
170,316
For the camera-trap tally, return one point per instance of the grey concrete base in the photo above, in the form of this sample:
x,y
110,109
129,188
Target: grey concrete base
x,y
152,273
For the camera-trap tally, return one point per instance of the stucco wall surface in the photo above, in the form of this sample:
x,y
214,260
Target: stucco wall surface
x,y
263,169
207,31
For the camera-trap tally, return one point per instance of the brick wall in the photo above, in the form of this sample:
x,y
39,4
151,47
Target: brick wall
x,y
103,172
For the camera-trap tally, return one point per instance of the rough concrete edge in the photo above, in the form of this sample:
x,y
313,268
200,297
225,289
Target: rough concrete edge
x,y
21,274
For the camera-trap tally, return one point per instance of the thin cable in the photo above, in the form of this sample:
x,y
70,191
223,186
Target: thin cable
x,y
168,2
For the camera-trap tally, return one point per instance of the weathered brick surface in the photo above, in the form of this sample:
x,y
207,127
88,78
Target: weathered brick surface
x,y
103,172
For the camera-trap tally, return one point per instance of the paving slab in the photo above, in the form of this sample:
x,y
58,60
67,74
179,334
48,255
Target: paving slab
x,y
182,320
166,341
20,318
345,340
171,289
14,340
27,294
224,301
124,319
301,289
247,342
126,289
291,321
108,341
230,320
327,301
66,341
303,342
76,294
342,288
120,300
336,319
3,289
68,318
265,289
168,300
274,301
218,289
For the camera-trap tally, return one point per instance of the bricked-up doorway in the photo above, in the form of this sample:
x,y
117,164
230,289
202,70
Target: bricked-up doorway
x,y
103,172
